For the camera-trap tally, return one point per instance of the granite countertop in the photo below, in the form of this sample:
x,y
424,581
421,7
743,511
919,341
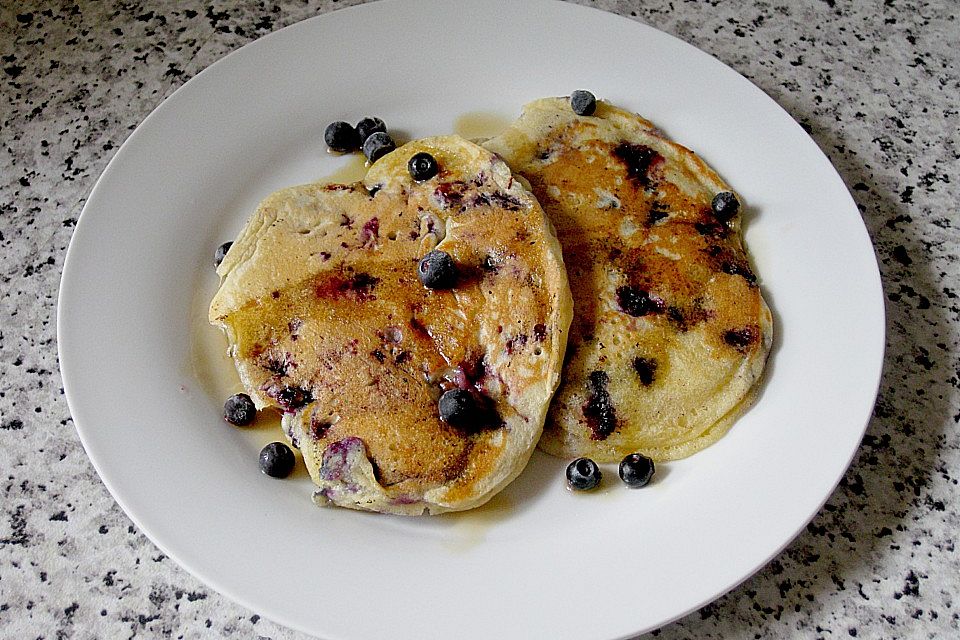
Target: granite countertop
x,y
876,86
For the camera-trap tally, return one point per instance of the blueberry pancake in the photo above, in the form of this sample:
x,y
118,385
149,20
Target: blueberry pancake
x,y
670,333
410,327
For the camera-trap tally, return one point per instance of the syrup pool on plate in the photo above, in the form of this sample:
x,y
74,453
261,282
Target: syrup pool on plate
x,y
480,124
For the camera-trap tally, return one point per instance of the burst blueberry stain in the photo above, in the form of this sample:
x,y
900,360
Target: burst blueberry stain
x,y
637,302
656,215
370,233
598,409
740,339
712,229
319,427
638,159
540,332
291,398
646,369
739,269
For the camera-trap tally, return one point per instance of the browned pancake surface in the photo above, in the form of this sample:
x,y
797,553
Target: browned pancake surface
x,y
670,331
356,351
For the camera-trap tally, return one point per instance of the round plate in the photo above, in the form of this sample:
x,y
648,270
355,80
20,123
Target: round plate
x,y
538,561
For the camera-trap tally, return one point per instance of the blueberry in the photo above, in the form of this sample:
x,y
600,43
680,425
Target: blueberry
x,y
458,408
636,470
422,166
637,302
239,410
340,136
583,103
583,474
221,253
725,205
277,460
437,270
377,145
369,126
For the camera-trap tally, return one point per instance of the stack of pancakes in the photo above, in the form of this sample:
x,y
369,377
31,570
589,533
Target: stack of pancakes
x,y
657,350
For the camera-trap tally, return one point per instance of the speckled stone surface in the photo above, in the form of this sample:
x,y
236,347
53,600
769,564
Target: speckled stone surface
x,y
876,86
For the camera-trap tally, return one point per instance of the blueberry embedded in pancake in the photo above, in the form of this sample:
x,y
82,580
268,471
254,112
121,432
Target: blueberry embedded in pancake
x,y
332,322
670,332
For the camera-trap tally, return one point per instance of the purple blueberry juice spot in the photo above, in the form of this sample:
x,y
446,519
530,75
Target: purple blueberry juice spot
x,y
338,456
419,328
324,255
496,199
279,364
685,318
491,264
516,343
639,160
294,327
677,318
742,338
646,369
598,409
636,302
540,332
739,269
657,213
475,370
548,153
291,398
379,355
370,233
358,287
458,378
319,426
449,194
712,229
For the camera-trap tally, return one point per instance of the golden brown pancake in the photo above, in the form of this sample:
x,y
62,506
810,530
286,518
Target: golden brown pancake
x,y
329,324
670,331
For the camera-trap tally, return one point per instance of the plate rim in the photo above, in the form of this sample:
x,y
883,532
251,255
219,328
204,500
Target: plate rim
x,y
66,286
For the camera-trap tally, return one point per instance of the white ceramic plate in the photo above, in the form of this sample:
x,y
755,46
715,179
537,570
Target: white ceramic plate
x,y
539,561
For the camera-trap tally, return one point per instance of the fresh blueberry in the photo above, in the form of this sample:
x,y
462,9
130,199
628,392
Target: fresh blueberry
x,y
377,145
458,408
437,270
277,460
636,470
583,103
422,166
341,137
725,205
239,410
221,253
583,474
369,126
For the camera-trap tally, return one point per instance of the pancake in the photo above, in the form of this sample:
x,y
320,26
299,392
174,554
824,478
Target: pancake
x,y
329,323
670,332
